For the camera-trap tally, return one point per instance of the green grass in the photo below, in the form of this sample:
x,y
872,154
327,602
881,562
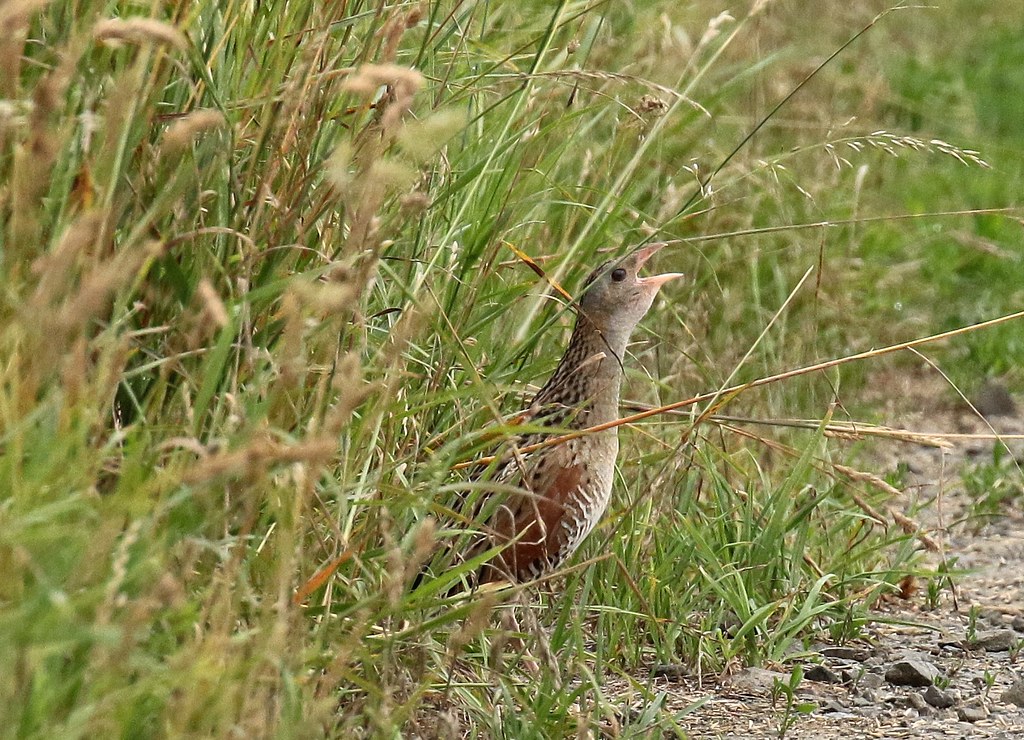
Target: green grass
x,y
993,486
254,313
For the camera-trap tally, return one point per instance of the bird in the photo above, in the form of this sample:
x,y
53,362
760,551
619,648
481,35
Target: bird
x,y
560,492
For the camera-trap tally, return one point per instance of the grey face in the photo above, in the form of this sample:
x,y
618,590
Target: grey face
x,y
616,297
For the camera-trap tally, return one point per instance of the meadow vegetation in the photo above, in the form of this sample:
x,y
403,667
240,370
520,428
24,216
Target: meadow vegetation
x,y
267,288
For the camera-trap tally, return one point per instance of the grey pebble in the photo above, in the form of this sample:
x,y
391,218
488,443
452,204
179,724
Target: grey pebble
x,y
971,714
917,702
757,680
669,670
938,698
846,653
911,673
833,707
1014,694
821,674
995,641
871,681
993,399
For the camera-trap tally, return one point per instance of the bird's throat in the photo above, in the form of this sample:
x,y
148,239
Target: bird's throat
x,y
588,378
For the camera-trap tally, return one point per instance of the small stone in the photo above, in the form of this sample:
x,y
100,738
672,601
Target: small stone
x,y
757,680
995,641
993,616
938,698
971,714
917,702
846,653
892,700
1018,623
1014,694
993,399
871,681
833,707
950,645
911,673
821,674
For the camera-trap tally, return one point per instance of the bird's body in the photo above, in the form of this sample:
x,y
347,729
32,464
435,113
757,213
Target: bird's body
x,y
563,490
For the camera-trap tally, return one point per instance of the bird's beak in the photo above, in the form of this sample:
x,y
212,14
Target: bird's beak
x,y
654,281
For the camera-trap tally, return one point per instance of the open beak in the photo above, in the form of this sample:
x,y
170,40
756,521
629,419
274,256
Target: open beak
x,y
654,281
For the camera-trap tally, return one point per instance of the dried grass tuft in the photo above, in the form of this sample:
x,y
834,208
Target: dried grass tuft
x,y
421,140
369,79
476,622
140,31
253,460
187,129
98,286
213,306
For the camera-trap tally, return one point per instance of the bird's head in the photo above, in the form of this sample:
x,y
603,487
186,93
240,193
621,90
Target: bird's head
x,y
615,296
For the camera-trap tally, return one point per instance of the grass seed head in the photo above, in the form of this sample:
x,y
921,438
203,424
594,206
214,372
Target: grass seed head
x,y
140,31
415,203
352,391
185,130
424,540
368,80
476,622
213,307
421,140
339,167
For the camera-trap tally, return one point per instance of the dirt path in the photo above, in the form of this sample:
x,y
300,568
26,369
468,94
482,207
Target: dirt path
x,y
970,641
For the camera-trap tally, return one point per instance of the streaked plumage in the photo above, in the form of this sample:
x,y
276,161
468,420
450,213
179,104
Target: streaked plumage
x,y
565,489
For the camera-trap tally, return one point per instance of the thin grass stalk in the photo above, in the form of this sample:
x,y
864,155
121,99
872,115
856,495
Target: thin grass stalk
x,y
733,391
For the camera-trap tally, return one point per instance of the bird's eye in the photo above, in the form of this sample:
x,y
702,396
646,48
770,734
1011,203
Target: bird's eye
x,y
618,274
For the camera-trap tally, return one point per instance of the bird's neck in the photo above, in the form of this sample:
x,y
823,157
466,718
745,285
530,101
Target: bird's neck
x,y
589,376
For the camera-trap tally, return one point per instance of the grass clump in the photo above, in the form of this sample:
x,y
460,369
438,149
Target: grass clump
x,y
260,303
993,486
